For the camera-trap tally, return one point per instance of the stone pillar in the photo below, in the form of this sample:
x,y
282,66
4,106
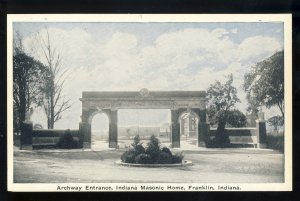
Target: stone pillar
x,y
203,127
113,129
203,134
81,134
26,135
175,128
85,133
261,132
202,115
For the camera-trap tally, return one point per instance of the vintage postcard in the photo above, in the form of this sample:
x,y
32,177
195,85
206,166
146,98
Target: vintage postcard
x,y
149,102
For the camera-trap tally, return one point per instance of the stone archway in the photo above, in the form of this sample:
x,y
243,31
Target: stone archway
x,y
200,113
109,102
85,126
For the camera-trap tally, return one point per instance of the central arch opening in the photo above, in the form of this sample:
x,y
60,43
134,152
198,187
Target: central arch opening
x,y
99,131
143,122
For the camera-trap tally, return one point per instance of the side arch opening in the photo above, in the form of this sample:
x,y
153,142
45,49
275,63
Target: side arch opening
x,y
189,128
99,122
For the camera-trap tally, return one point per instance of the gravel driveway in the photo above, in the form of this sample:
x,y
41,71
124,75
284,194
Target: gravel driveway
x,y
210,166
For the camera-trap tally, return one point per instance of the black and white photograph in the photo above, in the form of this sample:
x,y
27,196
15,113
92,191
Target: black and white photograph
x,y
149,102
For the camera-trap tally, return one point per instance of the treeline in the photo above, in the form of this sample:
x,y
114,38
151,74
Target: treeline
x,y
264,86
38,84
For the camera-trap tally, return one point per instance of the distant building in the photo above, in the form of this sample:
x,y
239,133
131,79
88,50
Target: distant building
x,y
143,131
189,125
165,130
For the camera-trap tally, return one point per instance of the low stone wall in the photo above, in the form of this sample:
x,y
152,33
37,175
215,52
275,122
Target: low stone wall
x,y
256,136
41,137
239,135
53,132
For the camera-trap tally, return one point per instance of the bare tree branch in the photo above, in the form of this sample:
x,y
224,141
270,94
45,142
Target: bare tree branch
x,y
53,90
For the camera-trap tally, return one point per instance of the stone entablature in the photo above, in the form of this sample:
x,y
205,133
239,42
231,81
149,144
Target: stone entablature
x,y
140,104
153,100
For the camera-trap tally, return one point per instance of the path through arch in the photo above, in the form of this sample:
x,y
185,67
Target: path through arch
x,y
99,131
189,123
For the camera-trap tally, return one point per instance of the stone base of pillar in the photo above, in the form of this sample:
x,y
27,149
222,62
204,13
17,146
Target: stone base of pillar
x,y
26,135
203,134
26,147
175,144
86,145
201,144
113,145
261,145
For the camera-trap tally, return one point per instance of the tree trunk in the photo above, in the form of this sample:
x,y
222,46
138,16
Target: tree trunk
x,y
222,138
282,112
280,105
51,111
48,122
221,128
52,106
22,109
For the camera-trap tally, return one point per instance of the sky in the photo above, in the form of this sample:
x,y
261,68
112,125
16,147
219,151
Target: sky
x,y
157,56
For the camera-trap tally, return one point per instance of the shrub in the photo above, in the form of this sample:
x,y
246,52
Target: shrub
x,y
67,141
129,156
143,159
177,158
139,149
164,158
275,142
136,141
166,150
221,140
152,154
153,148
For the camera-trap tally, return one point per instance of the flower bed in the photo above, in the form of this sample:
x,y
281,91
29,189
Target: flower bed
x,y
182,164
152,155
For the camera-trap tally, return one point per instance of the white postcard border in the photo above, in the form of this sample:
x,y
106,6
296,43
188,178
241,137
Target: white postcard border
x,y
285,18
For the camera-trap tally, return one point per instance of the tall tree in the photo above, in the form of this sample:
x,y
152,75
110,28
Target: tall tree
x,y
264,84
253,105
54,103
27,81
222,99
276,122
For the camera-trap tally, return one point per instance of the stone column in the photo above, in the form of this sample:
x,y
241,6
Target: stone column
x,y
26,135
261,131
203,127
203,134
113,129
85,133
81,134
175,128
202,115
